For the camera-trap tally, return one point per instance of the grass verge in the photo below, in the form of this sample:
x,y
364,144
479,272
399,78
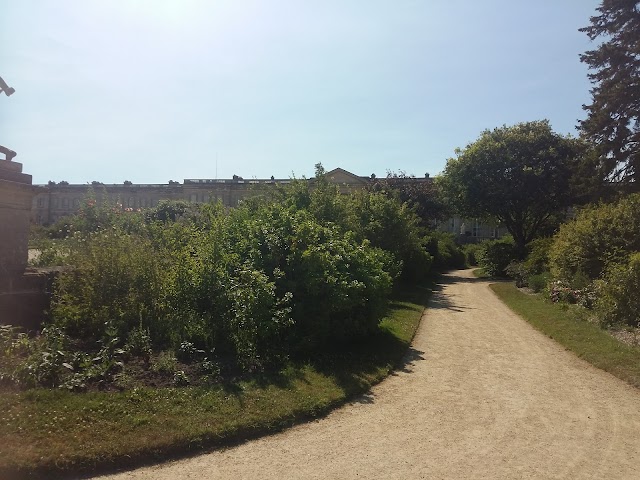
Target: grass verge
x,y
480,273
47,434
573,332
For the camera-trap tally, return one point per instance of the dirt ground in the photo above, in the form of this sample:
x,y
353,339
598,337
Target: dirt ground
x,y
483,395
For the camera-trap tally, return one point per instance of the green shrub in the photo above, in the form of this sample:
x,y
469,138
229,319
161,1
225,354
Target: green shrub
x,y
47,361
341,287
539,282
599,237
392,226
495,255
537,260
252,284
165,363
446,253
617,300
471,251
114,279
257,320
139,343
518,272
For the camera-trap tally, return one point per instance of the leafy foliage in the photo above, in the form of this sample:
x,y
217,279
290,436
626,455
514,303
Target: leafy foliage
x,y
598,237
393,226
422,194
114,280
618,301
447,254
471,251
613,121
518,175
494,256
276,276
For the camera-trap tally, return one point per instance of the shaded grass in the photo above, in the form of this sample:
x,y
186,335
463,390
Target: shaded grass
x,y
49,434
569,327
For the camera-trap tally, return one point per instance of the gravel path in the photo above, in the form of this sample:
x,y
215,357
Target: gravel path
x,y
483,395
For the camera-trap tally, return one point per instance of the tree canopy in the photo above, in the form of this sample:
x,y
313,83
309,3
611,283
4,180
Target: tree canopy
x,y
519,175
422,194
613,121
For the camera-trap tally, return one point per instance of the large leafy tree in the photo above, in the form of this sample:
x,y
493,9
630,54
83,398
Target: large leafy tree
x,y
519,175
613,121
422,194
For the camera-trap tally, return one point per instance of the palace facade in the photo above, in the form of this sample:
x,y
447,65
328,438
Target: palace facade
x,y
55,201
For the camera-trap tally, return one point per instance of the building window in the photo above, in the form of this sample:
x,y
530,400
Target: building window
x,y
40,202
55,202
194,197
76,203
65,203
476,228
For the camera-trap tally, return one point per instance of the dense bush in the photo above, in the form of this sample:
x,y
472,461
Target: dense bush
x,y
539,282
248,286
114,279
537,260
618,301
599,237
392,226
534,268
446,253
470,252
338,285
495,255
518,272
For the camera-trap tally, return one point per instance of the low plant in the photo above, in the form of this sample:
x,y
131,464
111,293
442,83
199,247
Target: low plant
x,y
188,353
180,379
209,367
165,363
447,253
139,343
63,434
47,361
562,292
519,273
539,282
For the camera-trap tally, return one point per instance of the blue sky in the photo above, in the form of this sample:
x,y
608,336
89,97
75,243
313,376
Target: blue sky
x,y
152,90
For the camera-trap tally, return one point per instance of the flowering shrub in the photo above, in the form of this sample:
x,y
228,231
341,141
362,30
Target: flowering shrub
x,y
561,292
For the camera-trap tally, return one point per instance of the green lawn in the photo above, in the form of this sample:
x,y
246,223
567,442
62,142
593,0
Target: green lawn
x,y
46,433
566,325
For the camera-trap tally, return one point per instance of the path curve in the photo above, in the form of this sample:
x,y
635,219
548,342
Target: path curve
x,y
483,395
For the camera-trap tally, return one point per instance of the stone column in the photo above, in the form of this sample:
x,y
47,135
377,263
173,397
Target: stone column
x,y
16,194
22,294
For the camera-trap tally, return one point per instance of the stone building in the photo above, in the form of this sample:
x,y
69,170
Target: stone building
x,y
55,201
